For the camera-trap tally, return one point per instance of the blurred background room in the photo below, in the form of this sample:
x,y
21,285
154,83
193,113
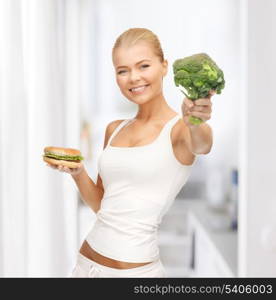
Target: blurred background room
x,y
57,87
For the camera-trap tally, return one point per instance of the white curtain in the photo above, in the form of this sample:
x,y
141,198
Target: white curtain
x,y
39,106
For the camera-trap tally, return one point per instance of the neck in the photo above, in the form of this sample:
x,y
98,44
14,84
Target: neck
x,y
155,109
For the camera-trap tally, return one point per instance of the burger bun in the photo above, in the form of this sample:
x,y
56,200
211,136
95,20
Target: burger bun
x,y
59,162
62,151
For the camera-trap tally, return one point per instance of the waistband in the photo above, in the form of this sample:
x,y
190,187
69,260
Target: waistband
x,y
94,268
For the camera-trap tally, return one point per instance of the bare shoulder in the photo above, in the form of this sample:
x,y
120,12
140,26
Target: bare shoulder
x,y
110,129
113,125
181,142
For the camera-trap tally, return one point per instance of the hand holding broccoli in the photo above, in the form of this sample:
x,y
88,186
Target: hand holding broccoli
x,y
200,108
198,75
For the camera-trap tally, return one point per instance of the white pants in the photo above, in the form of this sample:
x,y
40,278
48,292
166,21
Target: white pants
x,y
86,267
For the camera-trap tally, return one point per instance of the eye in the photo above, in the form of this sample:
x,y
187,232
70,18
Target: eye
x,y
145,66
120,72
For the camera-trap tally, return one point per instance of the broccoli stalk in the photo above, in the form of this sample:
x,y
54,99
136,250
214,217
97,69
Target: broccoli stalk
x,y
197,74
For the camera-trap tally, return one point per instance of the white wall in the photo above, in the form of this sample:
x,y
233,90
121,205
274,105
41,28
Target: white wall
x,y
257,236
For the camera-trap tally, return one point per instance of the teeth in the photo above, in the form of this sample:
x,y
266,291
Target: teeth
x,y
138,88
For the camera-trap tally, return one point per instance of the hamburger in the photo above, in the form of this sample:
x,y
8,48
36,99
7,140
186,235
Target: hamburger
x,y
63,156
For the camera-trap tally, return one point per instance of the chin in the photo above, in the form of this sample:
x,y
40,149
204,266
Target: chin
x,y
140,100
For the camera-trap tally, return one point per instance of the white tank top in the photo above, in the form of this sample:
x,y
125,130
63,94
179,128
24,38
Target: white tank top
x,y
140,184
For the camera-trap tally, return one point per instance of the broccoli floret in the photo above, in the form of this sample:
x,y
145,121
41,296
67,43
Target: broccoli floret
x,y
198,74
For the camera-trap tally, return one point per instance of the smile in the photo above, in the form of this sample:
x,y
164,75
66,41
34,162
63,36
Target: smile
x,y
139,89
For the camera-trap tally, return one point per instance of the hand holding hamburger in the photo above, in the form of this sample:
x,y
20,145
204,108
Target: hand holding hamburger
x,y
64,159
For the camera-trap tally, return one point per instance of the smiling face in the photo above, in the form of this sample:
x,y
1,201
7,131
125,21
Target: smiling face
x,y
139,72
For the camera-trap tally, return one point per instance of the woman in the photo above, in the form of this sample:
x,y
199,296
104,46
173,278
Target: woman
x,y
146,161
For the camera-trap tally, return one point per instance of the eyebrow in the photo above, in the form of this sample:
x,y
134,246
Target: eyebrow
x,y
135,64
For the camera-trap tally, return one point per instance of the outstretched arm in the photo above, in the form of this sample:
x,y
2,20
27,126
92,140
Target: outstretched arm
x,y
200,137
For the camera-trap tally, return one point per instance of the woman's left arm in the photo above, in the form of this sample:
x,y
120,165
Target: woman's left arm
x,y
201,137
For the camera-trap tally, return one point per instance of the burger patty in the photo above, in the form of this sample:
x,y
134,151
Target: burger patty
x,y
60,157
74,160
77,161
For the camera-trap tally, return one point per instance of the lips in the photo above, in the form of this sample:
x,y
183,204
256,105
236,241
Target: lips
x,y
139,89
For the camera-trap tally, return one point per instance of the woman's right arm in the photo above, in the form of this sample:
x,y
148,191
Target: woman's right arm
x,y
90,192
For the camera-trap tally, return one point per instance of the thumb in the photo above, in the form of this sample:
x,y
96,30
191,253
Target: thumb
x,y
212,92
189,102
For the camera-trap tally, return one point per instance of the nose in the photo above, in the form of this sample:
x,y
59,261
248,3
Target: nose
x,y
134,76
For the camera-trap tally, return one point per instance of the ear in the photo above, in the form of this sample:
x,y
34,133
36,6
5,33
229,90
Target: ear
x,y
165,67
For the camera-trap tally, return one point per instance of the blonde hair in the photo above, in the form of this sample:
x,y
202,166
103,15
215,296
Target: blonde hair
x,y
134,35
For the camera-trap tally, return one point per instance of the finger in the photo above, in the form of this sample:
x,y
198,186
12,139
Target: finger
x,y
188,102
51,166
202,108
66,169
72,170
203,101
212,92
202,116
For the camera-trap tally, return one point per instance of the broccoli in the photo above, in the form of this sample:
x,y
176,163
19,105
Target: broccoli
x,y
198,74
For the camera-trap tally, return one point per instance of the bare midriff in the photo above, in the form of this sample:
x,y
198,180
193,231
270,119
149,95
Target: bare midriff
x,y
90,253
